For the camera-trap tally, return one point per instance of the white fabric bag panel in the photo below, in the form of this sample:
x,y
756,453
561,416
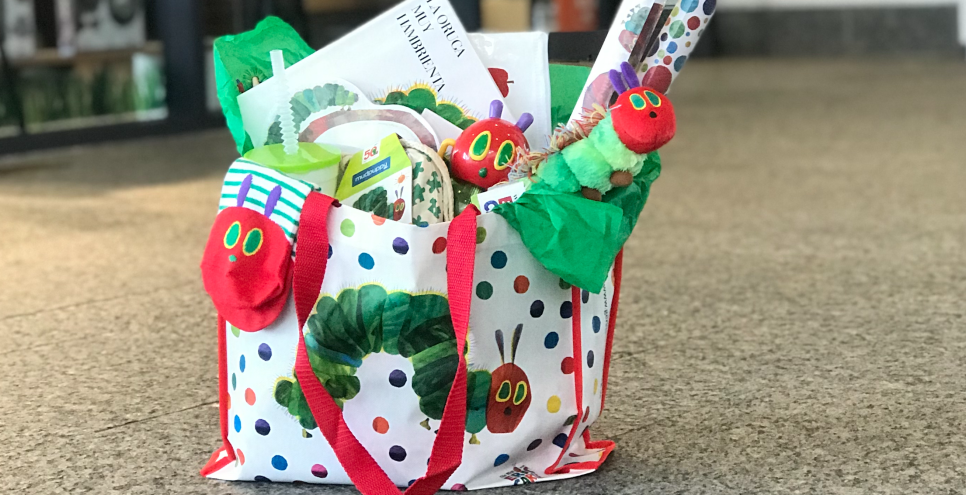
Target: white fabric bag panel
x,y
510,287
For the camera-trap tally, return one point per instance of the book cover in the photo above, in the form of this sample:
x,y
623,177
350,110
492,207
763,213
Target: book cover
x,y
416,54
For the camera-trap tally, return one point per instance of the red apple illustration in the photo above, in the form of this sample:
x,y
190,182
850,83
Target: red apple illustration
x,y
500,77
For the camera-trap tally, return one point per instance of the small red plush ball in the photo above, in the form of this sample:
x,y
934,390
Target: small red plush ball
x,y
644,119
247,268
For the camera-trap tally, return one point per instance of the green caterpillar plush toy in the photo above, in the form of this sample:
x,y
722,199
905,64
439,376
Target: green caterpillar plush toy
x,y
607,149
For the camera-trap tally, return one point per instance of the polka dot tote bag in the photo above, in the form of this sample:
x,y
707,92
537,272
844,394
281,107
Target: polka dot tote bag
x,y
397,358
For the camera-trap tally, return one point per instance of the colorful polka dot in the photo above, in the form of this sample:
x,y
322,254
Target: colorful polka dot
x,y
596,383
500,460
553,404
319,471
264,352
279,462
234,381
668,60
672,47
709,7
564,284
397,453
498,259
250,396
694,22
347,228
397,378
590,359
677,29
536,309
570,420
679,63
689,5
595,324
584,296
241,363
262,427
380,425
534,444
521,284
376,219
567,365
263,479
234,330
366,261
586,414
459,487
566,309
228,401
400,246
330,251
237,423
560,440
484,290
439,245
480,235
551,340
240,456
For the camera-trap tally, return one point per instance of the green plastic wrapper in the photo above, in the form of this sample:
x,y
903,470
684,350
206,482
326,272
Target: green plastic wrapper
x,y
240,57
576,238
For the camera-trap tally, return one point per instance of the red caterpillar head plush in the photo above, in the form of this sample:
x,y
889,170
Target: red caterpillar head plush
x,y
643,117
247,263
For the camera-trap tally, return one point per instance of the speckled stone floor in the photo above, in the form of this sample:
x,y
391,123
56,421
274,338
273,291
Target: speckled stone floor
x,y
792,318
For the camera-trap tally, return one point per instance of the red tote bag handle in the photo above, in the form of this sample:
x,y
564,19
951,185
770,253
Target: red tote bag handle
x,y
311,256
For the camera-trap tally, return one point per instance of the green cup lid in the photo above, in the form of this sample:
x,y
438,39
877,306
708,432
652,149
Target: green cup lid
x,y
310,157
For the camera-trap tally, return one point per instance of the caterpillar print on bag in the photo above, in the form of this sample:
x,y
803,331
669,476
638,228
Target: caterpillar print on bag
x,y
345,329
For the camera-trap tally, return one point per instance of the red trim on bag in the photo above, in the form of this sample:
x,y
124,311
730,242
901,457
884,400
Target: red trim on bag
x,y
213,463
618,272
578,356
607,446
310,265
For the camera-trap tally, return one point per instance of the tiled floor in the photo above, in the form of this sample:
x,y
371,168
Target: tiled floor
x,y
792,320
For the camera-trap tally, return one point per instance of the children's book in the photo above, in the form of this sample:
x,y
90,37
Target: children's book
x,y
417,54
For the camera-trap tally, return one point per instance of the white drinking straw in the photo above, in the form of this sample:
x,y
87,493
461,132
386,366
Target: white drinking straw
x,y
290,137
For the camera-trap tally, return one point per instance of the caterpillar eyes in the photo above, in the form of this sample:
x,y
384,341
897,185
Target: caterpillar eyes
x,y
232,235
521,393
503,394
637,101
480,146
504,155
640,102
251,244
506,389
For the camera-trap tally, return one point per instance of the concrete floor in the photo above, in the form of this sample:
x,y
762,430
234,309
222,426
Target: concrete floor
x,y
792,318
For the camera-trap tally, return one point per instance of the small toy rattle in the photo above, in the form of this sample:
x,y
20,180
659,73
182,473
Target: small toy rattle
x,y
485,151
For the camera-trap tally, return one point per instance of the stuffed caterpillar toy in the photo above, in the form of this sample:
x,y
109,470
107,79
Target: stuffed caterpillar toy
x,y
607,149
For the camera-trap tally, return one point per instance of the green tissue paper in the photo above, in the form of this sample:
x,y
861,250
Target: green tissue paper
x,y
576,238
240,57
